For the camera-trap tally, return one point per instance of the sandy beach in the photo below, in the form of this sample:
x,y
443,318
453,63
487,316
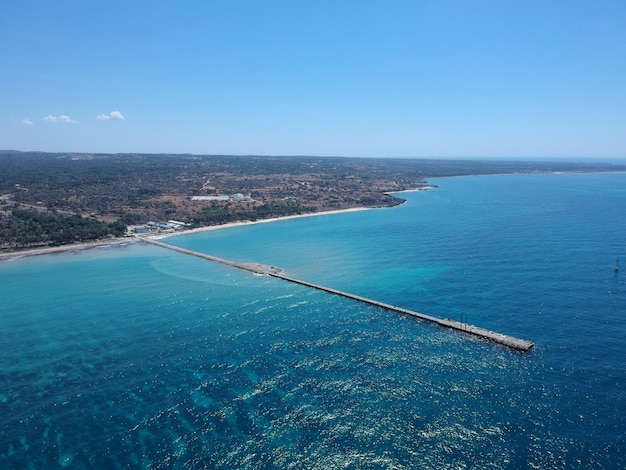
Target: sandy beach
x,y
250,222
63,248
123,240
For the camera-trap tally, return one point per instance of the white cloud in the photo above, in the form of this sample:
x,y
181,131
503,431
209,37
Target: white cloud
x,y
26,122
115,115
60,118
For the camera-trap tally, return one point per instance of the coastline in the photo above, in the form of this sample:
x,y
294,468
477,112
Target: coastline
x,y
11,255
416,190
241,223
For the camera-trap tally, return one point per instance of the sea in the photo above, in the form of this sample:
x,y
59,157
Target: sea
x,y
135,356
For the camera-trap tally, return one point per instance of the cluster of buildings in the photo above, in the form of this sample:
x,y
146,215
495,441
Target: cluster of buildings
x,y
235,197
155,228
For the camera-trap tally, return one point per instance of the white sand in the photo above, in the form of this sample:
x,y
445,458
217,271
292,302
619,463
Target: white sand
x,y
249,222
121,241
72,247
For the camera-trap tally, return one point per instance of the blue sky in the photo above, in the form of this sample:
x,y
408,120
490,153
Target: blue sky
x,y
416,78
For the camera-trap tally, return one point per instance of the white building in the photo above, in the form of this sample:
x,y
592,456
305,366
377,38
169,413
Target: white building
x,y
210,198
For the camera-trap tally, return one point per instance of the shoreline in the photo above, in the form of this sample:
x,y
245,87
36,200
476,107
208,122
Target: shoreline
x,y
12,255
243,223
416,190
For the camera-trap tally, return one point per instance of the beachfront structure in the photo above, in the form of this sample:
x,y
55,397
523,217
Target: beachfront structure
x,y
177,224
154,227
139,229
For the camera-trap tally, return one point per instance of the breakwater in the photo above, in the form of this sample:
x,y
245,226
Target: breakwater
x,y
499,338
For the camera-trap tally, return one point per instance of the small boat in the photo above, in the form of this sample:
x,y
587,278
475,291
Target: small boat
x,y
616,268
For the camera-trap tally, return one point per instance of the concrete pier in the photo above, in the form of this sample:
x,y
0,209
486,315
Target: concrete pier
x,y
499,338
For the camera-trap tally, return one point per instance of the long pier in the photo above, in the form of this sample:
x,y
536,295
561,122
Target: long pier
x,y
499,338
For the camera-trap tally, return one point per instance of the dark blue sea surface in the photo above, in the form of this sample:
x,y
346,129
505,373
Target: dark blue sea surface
x,y
139,357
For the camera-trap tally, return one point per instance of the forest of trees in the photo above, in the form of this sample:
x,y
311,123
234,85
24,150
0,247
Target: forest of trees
x,y
26,228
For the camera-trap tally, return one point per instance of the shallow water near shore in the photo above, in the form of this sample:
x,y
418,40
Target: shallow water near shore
x,y
140,357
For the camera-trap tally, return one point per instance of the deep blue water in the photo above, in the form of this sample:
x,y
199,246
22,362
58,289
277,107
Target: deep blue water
x,y
140,357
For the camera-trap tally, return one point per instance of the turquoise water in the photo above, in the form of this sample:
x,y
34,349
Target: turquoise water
x,y
139,357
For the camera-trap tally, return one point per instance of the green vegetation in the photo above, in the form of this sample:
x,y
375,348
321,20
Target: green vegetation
x,y
52,198
26,228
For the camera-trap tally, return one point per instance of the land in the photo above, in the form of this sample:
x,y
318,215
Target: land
x,y
156,235
64,199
